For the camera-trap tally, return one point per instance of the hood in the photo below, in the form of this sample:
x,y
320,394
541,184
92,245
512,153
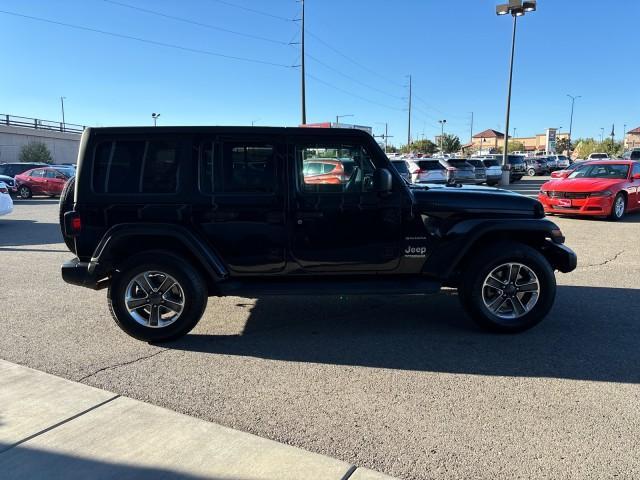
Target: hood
x,y
443,200
581,184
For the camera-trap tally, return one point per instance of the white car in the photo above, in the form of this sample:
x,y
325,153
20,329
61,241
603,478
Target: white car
x,y
6,204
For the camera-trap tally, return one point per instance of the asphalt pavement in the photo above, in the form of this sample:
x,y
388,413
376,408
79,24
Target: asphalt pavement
x,y
403,385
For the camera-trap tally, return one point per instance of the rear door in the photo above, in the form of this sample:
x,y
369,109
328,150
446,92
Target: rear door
x,y
53,181
36,181
634,198
244,177
345,227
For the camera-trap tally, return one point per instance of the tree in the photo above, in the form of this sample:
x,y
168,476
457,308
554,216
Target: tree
x,y
562,144
35,152
450,143
391,149
420,146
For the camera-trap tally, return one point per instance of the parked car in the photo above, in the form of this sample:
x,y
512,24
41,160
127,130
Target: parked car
x,y
536,166
479,169
517,168
165,217
402,168
632,154
458,170
494,171
430,170
10,183
324,171
597,156
13,169
6,203
42,181
599,188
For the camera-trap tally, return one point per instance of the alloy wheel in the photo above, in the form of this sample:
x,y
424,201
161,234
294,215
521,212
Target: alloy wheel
x,y
511,290
154,299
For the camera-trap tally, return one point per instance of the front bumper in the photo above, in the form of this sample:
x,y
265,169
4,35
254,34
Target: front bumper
x,y
591,206
84,274
560,257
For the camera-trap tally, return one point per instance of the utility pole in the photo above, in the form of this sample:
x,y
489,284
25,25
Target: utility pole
x,y
471,139
613,135
601,134
409,128
514,132
624,133
304,95
442,122
62,104
385,136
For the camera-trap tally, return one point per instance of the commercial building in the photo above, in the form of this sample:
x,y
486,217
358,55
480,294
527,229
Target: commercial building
x,y
632,139
490,140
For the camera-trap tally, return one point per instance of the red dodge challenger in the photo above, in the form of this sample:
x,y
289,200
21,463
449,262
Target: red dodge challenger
x,y
603,188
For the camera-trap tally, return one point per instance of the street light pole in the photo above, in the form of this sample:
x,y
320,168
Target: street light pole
x,y
573,101
624,133
62,105
155,118
505,156
442,122
304,93
409,124
516,8
601,134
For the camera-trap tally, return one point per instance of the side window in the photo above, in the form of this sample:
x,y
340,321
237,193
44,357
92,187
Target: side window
x,y
50,173
135,166
37,173
636,169
247,168
336,168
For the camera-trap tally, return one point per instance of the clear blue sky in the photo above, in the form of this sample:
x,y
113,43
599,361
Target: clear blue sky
x,y
458,56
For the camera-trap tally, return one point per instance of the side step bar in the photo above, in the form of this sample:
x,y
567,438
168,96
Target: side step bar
x,y
335,286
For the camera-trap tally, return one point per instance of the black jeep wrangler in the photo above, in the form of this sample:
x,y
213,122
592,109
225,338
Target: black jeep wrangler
x,y
166,217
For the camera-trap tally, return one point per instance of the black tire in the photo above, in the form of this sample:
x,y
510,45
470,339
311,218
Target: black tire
x,y
618,215
471,287
531,172
66,205
192,287
24,192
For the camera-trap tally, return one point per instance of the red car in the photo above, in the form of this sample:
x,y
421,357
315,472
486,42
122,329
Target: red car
x,y
325,171
43,181
599,188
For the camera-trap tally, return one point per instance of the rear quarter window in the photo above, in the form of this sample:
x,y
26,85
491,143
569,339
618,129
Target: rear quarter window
x,y
135,166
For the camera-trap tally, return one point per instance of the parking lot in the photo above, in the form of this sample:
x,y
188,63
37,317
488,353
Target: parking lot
x,y
404,385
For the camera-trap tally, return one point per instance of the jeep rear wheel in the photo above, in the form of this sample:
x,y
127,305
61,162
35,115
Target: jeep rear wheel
x,y
509,287
66,204
157,296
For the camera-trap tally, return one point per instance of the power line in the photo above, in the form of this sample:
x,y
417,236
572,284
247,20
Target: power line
x,y
341,73
253,10
353,94
194,22
355,62
147,41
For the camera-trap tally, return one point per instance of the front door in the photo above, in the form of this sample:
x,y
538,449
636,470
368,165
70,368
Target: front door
x,y
339,222
245,182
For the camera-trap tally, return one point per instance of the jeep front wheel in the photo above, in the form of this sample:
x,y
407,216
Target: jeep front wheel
x,y
157,297
509,287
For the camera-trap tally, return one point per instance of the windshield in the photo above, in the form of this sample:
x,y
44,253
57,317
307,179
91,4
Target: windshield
x,y
599,155
613,171
458,162
430,165
516,159
476,163
491,163
67,172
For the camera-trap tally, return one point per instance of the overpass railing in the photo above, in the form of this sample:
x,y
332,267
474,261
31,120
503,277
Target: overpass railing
x,y
38,124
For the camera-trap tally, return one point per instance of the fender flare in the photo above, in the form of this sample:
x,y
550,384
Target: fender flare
x,y
463,236
206,255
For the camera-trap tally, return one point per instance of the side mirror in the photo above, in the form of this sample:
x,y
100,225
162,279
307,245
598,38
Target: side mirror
x,y
383,181
636,176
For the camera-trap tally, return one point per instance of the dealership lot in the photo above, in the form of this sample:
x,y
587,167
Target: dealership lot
x,y
407,386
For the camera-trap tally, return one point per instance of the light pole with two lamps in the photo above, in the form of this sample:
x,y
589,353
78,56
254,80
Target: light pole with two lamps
x,y
442,122
155,118
516,8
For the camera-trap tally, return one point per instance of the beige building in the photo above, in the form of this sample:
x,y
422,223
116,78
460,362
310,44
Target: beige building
x,y
632,139
492,139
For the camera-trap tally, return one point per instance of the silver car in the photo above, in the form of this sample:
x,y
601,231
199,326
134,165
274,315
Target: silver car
x,y
402,168
459,170
494,171
430,171
480,170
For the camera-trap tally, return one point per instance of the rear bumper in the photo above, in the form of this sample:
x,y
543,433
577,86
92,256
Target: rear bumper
x,y
561,257
83,274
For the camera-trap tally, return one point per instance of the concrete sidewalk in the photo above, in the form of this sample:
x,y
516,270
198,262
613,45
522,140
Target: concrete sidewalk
x,y
54,428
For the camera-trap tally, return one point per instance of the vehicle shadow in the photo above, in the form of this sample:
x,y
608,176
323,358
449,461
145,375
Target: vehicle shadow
x,y
23,461
35,201
28,232
591,334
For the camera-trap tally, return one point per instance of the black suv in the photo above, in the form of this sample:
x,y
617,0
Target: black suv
x,y
166,217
